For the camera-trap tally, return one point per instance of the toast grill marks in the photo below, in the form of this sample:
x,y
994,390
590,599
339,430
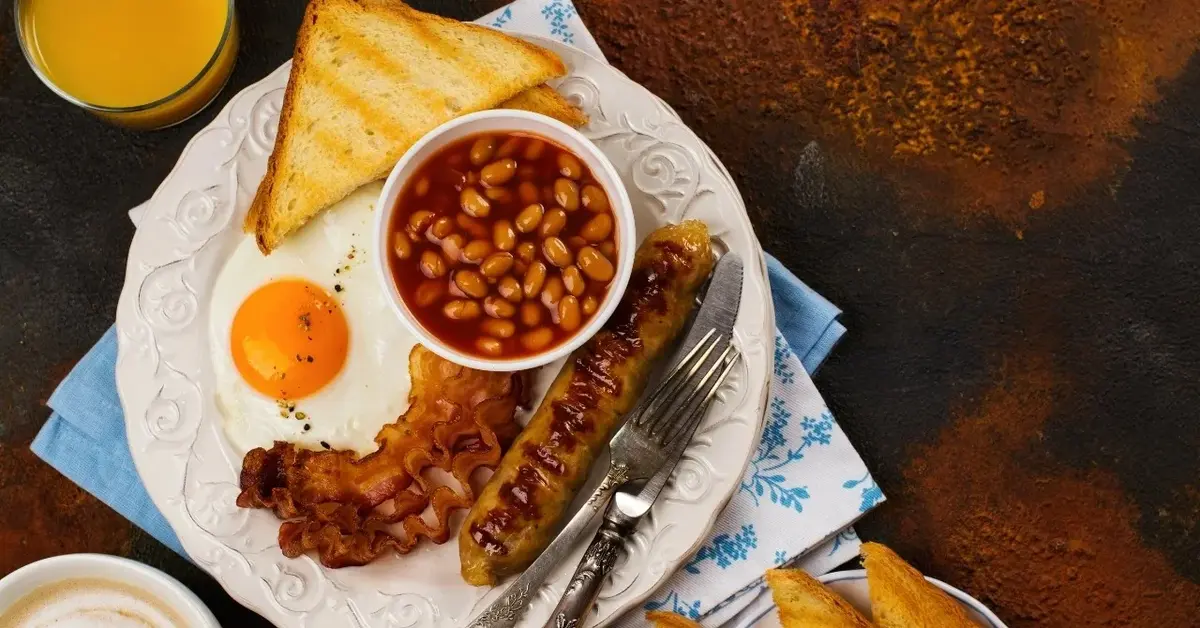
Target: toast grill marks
x,y
369,78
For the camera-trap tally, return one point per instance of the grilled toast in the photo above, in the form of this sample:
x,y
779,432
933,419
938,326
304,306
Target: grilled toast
x,y
902,598
805,603
545,100
667,619
368,79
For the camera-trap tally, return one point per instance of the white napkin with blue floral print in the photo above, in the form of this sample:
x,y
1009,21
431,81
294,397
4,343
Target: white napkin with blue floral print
x,y
805,486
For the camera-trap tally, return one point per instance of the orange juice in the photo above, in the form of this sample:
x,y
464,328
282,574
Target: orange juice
x,y
144,63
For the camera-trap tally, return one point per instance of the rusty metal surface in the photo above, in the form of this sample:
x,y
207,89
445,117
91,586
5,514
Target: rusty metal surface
x,y
1004,196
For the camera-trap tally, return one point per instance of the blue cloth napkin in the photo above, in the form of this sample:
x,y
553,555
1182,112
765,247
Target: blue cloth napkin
x,y
806,319
84,438
803,489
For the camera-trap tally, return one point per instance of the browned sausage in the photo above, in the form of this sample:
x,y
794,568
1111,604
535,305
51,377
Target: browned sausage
x,y
521,507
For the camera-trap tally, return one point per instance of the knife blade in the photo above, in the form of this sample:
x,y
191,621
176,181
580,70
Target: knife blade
x,y
718,312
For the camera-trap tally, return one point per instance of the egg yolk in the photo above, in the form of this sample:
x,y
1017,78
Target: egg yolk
x,y
289,339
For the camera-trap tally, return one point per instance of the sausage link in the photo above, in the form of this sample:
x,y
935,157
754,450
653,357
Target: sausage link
x,y
520,509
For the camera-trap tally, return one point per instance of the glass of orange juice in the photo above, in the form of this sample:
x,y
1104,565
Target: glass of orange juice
x,y
144,64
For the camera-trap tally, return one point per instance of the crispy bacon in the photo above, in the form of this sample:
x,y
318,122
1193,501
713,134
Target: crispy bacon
x,y
459,420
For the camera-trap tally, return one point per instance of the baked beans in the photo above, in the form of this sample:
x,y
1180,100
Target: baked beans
x,y
496,265
441,228
502,195
402,246
474,204
503,235
498,172
593,198
566,194
419,221
573,281
553,223
529,218
498,327
556,252
489,248
476,251
510,289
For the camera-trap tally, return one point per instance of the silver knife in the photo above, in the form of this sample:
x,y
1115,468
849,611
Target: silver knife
x,y
634,497
726,281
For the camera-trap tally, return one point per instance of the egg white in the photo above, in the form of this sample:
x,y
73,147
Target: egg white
x,y
372,388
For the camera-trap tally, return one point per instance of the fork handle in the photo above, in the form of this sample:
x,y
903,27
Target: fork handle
x,y
508,609
595,566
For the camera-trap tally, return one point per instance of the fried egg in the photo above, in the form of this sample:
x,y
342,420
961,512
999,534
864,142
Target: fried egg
x,y
305,348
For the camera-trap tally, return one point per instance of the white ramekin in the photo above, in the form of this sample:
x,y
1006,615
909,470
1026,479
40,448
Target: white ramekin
x,y
165,589
499,120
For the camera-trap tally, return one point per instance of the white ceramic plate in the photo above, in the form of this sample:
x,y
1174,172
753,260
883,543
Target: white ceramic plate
x,y
165,378
852,585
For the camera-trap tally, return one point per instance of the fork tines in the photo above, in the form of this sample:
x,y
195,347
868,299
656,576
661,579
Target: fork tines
x,y
680,431
678,404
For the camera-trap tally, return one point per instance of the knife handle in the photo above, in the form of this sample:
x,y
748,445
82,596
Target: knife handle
x,y
593,569
508,609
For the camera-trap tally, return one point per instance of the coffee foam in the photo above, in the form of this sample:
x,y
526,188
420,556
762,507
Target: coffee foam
x,y
92,602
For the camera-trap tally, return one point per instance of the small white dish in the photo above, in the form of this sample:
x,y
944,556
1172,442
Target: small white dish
x,y
499,120
165,590
852,586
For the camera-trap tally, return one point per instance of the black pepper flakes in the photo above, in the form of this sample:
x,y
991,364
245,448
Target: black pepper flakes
x,y
325,445
337,287
307,427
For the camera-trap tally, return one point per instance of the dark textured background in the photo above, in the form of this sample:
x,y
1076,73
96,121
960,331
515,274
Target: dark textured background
x,y
1025,392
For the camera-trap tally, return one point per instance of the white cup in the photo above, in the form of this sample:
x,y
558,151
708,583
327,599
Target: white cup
x,y
83,589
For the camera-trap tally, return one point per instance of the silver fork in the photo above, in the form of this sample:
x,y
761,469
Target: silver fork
x,y
665,424
648,447
637,454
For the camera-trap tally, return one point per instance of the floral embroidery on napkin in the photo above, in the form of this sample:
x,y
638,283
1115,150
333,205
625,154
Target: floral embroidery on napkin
x,y
557,13
803,488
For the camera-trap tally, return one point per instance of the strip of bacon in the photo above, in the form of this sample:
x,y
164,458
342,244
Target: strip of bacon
x,y
459,420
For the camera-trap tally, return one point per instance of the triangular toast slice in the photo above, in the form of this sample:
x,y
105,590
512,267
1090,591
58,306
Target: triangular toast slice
x,y
368,79
902,598
547,101
667,619
806,603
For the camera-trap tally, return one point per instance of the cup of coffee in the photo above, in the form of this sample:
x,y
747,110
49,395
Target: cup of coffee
x,y
98,590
